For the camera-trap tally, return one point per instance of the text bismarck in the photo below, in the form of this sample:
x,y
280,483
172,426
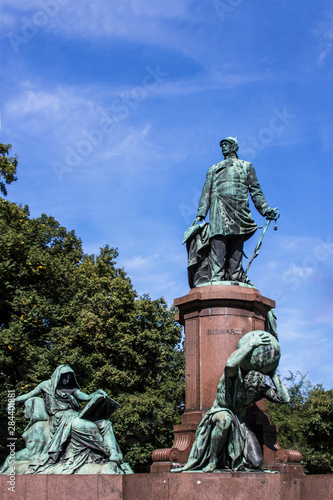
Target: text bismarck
x,y
225,331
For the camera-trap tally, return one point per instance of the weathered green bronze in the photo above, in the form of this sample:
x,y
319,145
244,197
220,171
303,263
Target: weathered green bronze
x,y
224,440
60,439
215,250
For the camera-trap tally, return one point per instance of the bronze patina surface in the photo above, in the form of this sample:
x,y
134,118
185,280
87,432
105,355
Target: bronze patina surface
x,y
215,249
60,439
224,439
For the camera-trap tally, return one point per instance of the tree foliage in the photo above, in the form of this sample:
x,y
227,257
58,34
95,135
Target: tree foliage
x,y
58,305
306,423
8,166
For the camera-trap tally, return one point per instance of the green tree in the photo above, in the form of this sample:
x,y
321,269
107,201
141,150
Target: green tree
x,y
318,430
306,423
37,258
8,166
58,305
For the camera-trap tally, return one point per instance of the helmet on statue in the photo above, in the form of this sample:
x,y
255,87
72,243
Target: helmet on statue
x,y
233,141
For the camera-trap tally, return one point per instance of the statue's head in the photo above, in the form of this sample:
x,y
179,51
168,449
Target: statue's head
x,y
67,378
229,145
254,382
63,377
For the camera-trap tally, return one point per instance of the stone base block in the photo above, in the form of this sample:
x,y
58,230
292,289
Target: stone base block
x,y
63,487
170,486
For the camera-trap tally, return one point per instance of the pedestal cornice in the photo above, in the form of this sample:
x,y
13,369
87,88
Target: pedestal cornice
x,y
213,296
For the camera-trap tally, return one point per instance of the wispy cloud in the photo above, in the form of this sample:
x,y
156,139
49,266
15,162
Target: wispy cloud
x,y
137,21
324,34
140,263
156,272
305,344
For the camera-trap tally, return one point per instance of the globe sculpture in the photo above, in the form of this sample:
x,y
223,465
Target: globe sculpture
x,y
264,358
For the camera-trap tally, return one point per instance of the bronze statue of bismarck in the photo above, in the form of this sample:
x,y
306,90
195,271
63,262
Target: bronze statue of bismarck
x,y
216,249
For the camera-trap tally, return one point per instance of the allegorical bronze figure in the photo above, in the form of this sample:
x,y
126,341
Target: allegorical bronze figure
x,y
224,440
61,439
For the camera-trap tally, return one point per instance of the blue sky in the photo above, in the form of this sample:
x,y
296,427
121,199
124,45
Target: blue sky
x,y
116,110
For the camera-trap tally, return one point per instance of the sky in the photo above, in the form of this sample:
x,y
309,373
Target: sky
x,y
116,110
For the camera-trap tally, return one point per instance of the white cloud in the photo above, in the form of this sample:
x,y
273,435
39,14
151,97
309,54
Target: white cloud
x,y
71,116
37,102
325,318
140,263
137,21
33,108
175,25
302,272
156,273
273,264
324,34
305,346
134,143
328,49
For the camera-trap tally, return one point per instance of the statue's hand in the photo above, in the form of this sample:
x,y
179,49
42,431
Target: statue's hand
x,y
100,391
272,214
196,220
262,339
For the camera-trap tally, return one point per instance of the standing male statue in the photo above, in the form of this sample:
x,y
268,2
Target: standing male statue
x,y
216,249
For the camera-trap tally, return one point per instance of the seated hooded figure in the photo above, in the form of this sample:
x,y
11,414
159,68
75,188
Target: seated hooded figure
x,y
75,441
36,436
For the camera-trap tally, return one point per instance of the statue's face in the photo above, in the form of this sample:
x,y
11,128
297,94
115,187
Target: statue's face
x,y
227,148
254,382
65,378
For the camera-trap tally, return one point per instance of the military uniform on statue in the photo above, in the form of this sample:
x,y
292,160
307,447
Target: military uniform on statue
x,y
225,194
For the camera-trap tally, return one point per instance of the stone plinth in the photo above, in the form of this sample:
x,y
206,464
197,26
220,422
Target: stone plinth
x,y
63,487
186,486
215,318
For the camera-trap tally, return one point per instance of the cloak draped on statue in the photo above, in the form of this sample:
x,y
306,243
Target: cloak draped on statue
x,y
74,441
231,456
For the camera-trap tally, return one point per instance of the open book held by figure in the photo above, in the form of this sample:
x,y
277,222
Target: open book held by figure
x,y
100,407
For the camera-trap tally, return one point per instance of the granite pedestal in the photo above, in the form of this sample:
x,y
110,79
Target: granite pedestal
x,y
168,486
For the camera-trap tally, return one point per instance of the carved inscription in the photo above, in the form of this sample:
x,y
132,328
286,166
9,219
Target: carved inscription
x,y
225,331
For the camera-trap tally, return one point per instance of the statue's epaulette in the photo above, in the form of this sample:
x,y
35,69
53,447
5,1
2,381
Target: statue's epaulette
x,y
245,163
